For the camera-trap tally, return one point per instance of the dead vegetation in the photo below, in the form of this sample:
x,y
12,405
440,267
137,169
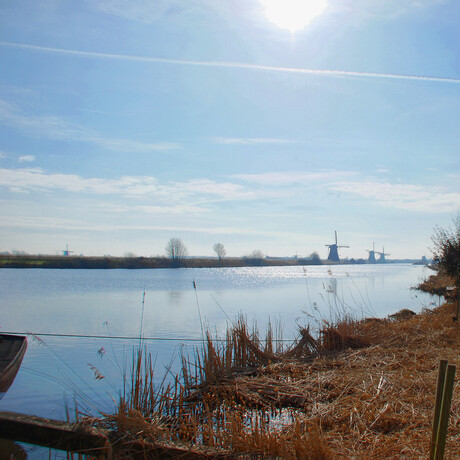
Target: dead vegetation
x,y
437,284
358,389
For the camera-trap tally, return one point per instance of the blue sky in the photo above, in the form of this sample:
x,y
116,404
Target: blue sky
x,y
125,123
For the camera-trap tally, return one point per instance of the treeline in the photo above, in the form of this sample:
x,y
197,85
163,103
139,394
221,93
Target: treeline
x,y
106,262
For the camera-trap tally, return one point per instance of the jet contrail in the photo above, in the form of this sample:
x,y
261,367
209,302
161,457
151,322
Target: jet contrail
x,y
226,64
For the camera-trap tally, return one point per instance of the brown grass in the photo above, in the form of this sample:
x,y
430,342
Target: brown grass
x,y
359,389
437,284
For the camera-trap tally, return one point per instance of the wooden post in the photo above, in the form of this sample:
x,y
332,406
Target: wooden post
x,y
457,292
437,406
444,392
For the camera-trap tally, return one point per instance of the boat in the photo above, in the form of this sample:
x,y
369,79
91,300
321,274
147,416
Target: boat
x,y
12,351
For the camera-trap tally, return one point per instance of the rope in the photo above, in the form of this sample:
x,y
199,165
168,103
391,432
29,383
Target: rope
x,y
121,337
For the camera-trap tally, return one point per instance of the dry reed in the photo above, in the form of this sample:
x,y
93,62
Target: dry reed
x,y
358,389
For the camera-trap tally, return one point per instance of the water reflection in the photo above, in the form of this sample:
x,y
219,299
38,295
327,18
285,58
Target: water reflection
x,y
175,297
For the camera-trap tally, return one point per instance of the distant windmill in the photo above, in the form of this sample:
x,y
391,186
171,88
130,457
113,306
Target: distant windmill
x,y
333,250
371,258
382,259
66,251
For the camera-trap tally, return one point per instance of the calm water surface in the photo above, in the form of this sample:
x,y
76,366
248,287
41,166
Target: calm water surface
x,y
57,370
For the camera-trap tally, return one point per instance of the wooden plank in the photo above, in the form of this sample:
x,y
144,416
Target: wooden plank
x,y
52,433
74,437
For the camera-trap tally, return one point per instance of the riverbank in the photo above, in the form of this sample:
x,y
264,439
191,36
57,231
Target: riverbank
x,y
109,262
358,389
438,284
82,262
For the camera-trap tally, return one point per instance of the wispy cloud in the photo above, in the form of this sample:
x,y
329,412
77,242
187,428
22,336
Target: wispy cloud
x,y
35,222
146,11
294,177
53,223
227,190
174,209
250,140
149,11
26,158
35,179
408,197
403,196
166,209
227,64
46,125
128,145
357,12
178,195
59,128
197,196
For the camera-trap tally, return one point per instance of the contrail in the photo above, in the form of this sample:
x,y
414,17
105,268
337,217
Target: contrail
x,y
226,64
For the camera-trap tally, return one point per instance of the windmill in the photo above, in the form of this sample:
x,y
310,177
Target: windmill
x,y
333,250
382,259
371,258
66,251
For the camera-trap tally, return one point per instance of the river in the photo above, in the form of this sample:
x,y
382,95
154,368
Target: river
x,y
100,314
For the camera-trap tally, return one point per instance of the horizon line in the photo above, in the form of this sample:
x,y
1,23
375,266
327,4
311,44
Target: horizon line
x,y
228,64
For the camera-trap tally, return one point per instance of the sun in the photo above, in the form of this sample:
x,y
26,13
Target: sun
x,y
293,15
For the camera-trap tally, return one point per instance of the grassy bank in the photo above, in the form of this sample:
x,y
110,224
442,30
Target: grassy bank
x,y
76,262
356,389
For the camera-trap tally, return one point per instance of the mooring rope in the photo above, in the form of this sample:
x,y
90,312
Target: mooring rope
x,y
122,337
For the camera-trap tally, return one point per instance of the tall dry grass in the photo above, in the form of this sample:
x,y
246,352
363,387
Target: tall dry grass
x,y
357,389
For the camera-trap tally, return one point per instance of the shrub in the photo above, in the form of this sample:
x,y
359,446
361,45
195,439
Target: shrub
x,y
446,252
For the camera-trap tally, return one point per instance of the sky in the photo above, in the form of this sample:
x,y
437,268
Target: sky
x,y
259,124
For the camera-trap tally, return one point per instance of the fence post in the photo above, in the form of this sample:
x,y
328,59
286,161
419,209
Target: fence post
x,y
444,392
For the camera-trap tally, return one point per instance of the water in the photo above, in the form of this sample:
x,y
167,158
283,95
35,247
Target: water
x,y
57,370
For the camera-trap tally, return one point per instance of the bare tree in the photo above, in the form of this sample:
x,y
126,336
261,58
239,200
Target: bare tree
x,y
315,259
255,257
219,249
176,250
257,254
446,252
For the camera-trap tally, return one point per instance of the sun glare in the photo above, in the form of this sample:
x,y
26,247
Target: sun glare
x,y
293,15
